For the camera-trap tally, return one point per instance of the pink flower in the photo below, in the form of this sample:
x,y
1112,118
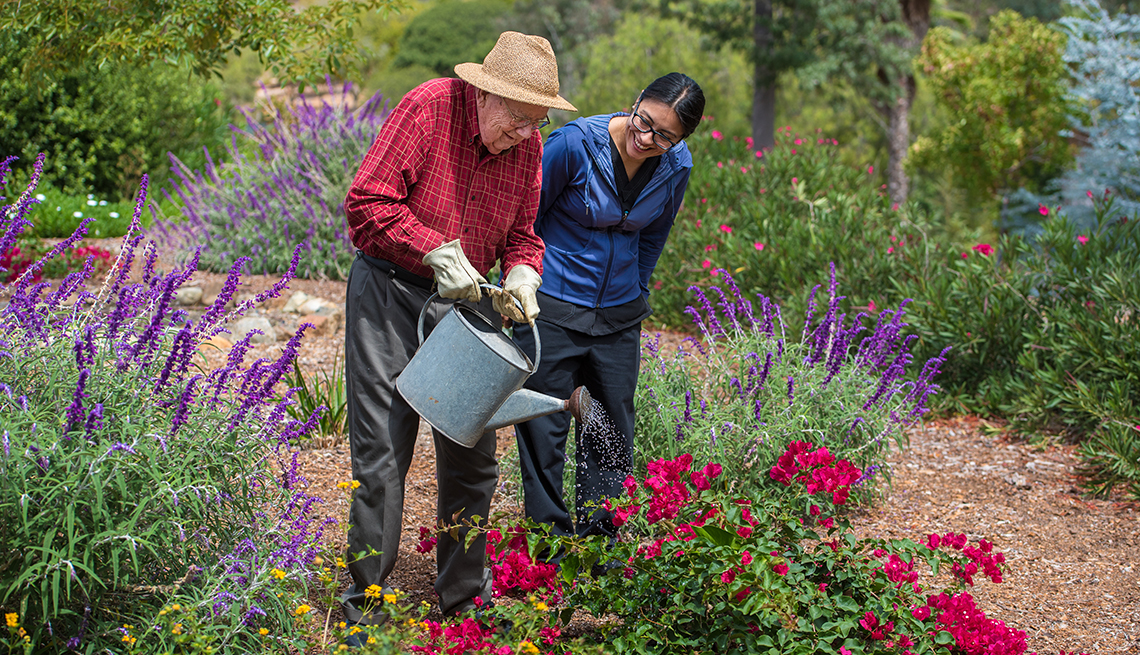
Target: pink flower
x,y
895,207
759,154
728,576
964,255
743,169
744,531
1083,239
711,247
870,170
984,248
746,558
720,164
726,229
715,272
798,141
780,569
822,586
717,135
815,510
828,522
743,593
844,651
1089,194
1043,210
698,222
793,151
758,245
870,305
920,612
748,141
890,249
704,200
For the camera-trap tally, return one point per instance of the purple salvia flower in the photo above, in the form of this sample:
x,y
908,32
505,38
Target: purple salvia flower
x,y
184,402
119,446
7,443
688,407
75,414
94,422
791,390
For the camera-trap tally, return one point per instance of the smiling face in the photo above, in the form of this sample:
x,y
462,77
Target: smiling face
x,y
499,121
658,117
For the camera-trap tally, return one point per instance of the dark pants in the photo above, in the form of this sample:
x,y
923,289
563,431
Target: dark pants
x,y
380,338
608,367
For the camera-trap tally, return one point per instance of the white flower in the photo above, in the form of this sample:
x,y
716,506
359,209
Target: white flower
x,y
102,202
59,209
41,197
78,214
91,203
114,214
90,196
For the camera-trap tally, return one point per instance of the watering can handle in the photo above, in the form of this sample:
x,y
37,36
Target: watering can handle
x,y
537,341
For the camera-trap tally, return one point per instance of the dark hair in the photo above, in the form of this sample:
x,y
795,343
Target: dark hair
x,y
682,94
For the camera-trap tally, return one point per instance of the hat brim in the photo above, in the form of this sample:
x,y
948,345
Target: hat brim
x,y
474,74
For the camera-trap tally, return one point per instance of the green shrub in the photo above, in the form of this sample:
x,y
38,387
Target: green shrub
x,y
1044,330
775,221
749,388
101,128
127,478
452,32
59,214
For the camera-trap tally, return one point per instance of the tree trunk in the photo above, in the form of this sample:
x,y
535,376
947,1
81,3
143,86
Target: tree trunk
x,y
763,82
916,16
898,141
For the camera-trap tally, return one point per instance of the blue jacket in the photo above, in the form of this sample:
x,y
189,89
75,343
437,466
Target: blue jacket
x,y
595,256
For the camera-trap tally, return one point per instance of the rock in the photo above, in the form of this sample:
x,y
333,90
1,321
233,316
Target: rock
x,y
1017,480
323,326
215,343
186,296
312,306
296,300
239,330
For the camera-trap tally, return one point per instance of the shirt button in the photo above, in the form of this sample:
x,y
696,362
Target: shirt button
x,y
472,196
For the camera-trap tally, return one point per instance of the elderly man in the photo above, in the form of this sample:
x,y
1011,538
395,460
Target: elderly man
x,y
450,186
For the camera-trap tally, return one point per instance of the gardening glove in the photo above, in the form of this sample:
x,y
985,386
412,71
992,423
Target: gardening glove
x,y
454,275
521,284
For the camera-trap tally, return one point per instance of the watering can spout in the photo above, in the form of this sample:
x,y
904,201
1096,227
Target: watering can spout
x,y
524,404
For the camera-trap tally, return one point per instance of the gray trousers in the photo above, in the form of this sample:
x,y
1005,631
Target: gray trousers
x,y
380,338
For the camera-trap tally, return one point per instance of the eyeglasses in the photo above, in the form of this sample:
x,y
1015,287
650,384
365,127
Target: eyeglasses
x,y
641,125
521,122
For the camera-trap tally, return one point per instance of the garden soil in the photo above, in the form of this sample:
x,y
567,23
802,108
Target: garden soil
x,y
1073,579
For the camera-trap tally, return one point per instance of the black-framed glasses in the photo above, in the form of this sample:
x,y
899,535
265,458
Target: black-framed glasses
x,y
519,122
641,125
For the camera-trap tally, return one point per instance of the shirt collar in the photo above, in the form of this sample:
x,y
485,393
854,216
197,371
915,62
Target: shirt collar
x,y
472,105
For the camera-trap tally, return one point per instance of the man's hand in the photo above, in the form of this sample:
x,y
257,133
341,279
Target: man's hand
x,y
454,275
521,283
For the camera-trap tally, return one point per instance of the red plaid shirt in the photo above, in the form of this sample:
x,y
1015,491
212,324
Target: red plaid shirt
x,y
427,180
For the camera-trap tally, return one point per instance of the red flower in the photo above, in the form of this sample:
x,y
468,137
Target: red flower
x,y
984,248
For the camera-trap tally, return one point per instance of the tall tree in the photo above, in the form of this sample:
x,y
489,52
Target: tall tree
x,y
776,34
295,44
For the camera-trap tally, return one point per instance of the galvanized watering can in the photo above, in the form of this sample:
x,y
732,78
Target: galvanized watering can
x,y
467,377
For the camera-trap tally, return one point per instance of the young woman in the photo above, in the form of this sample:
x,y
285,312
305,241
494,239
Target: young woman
x,y
611,188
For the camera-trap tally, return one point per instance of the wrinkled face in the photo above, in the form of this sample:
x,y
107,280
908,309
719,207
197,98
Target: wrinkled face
x,y
652,129
503,123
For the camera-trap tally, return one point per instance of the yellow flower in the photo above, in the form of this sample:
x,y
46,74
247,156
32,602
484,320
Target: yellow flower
x,y
302,610
342,625
343,485
340,562
390,598
342,648
278,573
540,606
527,647
355,630
177,629
374,591
263,631
356,484
13,619
175,607
372,640
318,560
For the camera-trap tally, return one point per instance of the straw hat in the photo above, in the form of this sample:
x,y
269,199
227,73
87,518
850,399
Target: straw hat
x,y
520,67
